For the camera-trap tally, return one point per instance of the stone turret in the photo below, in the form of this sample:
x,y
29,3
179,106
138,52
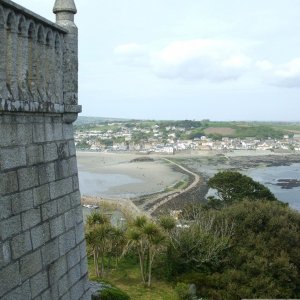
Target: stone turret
x,y
65,11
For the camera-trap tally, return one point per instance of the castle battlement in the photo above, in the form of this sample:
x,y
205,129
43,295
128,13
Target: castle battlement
x,y
38,62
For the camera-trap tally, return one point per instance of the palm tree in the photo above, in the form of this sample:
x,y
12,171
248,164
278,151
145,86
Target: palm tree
x,y
97,237
155,239
168,224
147,239
117,244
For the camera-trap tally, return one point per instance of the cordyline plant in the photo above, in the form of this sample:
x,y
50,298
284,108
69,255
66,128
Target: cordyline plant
x,y
104,240
147,239
97,234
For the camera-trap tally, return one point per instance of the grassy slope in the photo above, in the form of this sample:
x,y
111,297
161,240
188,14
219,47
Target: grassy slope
x,y
127,277
244,129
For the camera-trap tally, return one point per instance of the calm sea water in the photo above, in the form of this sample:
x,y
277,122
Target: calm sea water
x,y
269,176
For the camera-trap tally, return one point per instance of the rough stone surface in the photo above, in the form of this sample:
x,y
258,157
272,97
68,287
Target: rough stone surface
x,y
64,5
10,278
5,254
10,227
21,244
42,247
12,157
8,183
39,283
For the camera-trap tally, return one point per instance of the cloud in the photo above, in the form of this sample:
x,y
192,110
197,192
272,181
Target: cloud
x,y
206,59
288,75
199,59
264,65
283,75
212,60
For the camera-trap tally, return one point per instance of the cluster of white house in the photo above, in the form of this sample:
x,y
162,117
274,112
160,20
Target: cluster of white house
x,y
155,140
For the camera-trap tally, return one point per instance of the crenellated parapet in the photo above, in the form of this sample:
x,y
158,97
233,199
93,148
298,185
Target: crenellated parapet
x,y
38,61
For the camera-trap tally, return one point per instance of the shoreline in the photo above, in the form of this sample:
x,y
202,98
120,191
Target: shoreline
x,y
169,198
116,176
162,199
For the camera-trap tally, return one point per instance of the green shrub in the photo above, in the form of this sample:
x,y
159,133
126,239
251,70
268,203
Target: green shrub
x,y
113,293
182,290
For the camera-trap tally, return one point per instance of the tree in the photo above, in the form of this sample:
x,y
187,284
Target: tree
x,y
98,233
107,142
155,239
232,186
147,239
167,223
264,260
201,240
116,244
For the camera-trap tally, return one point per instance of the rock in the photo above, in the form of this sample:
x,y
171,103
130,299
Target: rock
x,y
192,291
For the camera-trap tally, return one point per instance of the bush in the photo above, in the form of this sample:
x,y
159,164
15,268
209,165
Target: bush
x,y
182,289
112,293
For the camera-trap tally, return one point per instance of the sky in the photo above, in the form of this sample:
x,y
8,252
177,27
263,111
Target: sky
x,y
187,59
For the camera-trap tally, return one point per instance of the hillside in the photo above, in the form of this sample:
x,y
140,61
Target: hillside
x,y
82,120
187,129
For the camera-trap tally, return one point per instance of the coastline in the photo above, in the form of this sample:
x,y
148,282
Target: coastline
x,y
159,190
163,199
126,179
156,192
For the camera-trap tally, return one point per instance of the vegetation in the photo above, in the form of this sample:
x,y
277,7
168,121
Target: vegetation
x,y
199,242
127,277
232,186
246,248
146,238
113,293
263,260
259,132
182,290
104,241
83,144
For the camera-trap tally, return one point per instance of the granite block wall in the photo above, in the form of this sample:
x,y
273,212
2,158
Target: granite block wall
x,y
42,246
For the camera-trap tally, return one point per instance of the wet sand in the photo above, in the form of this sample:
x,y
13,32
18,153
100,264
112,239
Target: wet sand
x,y
149,184
126,179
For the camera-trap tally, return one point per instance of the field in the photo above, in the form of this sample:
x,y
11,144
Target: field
x,y
224,131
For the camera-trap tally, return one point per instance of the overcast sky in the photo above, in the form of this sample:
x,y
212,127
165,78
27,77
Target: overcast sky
x,y
187,59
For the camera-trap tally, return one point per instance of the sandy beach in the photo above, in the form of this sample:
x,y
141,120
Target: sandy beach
x,y
113,175
152,185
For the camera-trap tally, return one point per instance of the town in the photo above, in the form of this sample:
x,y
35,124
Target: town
x,y
171,137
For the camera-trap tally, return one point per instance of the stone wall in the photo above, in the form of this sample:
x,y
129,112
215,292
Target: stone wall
x,y
42,247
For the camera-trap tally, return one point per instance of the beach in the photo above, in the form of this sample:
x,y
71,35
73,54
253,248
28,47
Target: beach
x,y
113,175
158,185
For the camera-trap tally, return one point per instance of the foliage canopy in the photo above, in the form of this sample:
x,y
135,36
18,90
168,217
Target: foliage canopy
x,y
233,186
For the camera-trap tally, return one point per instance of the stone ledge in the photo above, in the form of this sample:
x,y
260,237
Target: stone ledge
x,y
73,108
30,106
40,107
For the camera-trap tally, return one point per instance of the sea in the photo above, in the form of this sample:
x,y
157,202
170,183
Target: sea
x,y
269,176
101,184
